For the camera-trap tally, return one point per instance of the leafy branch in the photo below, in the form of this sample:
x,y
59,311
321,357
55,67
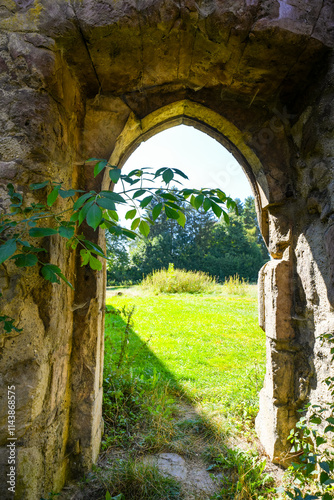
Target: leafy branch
x,y
26,223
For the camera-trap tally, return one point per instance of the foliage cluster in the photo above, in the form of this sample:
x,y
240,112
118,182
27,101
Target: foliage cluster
x,y
26,227
178,281
204,244
243,476
313,445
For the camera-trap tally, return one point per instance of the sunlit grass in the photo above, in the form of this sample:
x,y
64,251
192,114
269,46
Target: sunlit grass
x,y
208,346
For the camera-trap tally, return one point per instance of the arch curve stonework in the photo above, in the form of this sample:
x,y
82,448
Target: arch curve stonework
x,y
82,78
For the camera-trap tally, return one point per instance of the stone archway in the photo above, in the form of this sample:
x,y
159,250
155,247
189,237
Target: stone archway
x,y
84,78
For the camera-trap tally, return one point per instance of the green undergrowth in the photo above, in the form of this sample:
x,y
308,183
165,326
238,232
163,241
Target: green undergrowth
x,y
140,482
242,474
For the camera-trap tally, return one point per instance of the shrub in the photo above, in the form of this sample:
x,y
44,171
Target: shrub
x,y
235,286
178,281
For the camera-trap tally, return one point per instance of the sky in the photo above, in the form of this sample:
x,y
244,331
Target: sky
x,y
204,160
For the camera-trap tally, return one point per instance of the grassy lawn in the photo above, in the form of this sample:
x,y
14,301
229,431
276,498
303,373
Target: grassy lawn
x,y
182,375
208,347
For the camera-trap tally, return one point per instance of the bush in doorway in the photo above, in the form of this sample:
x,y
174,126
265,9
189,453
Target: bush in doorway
x,y
178,281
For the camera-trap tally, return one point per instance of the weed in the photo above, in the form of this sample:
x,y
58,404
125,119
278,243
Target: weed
x,y
131,480
244,477
236,286
178,281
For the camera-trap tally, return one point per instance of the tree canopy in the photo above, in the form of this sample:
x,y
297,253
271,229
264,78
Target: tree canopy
x,y
204,244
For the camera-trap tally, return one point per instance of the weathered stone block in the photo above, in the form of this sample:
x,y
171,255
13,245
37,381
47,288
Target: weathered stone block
x,y
275,299
273,425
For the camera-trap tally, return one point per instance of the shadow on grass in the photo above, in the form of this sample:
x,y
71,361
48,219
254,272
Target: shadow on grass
x,y
138,384
147,411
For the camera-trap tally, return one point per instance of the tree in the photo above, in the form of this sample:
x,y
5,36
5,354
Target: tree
x,y
249,219
204,244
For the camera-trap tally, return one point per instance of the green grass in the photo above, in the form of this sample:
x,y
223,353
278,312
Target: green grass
x,y
141,482
182,372
208,347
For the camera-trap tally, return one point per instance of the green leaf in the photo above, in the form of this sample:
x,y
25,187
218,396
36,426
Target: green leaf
x,y
48,272
93,247
221,195
74,217
168,175
25,260
198,201
310,468
144,228
38,185
52,273
138,193
129,234
94,216
81,200
182,219
39,232
167,196
67,193
226,218
7,250
66,232
52,197
114,175
320,440
216,209
330,420
106,203
85,256
171,213
315,420
156,211
113,214
131,214
135,224
99,167
95,264
206,204
325,466
159,171
93,159
323,477
117,198
83,212
146,201
179,172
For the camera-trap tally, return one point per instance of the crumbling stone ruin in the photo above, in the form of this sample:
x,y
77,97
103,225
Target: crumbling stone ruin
x,y
83,78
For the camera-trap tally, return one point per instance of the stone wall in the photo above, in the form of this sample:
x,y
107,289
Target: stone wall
x,y
83,78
